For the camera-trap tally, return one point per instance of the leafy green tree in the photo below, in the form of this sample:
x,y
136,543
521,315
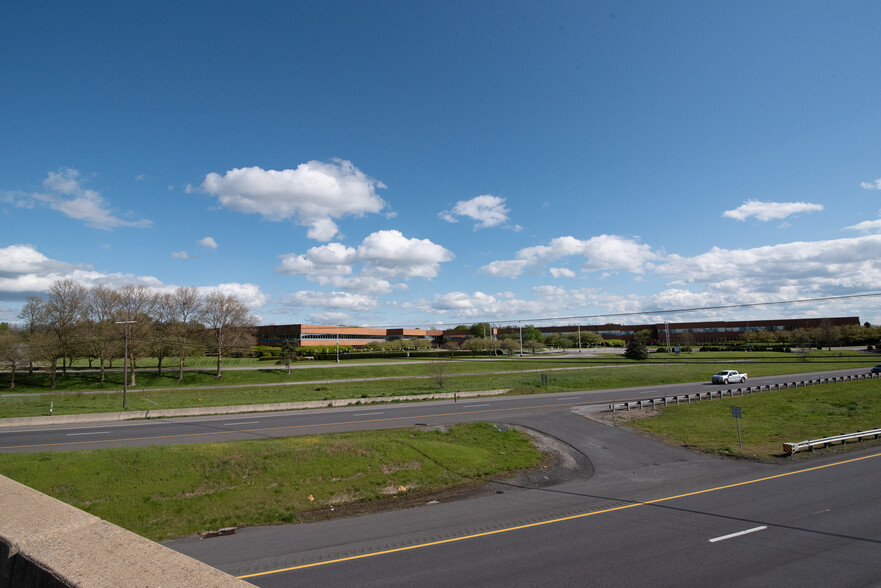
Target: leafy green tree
x,y
636,349
591,339
509,346
643,335
533,345
288,354
482,330
531,333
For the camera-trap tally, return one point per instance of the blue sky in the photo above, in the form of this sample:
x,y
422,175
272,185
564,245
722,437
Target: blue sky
x,y
423,163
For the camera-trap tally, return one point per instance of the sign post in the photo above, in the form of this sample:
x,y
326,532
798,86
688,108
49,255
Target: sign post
x,y
735,412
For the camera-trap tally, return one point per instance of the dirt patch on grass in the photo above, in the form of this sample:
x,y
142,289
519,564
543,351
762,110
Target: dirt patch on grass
x,y
560,463
615,418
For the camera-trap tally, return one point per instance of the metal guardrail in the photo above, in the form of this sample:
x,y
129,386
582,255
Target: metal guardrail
x,y
731,392
826,441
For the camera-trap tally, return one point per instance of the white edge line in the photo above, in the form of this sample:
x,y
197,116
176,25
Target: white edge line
x,y
738,534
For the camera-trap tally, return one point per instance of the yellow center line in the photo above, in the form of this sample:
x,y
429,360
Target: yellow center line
x,y
292,427
557,520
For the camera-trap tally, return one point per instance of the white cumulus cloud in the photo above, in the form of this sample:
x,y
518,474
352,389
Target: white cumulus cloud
x,y
383,254
248,294
487,210
873,226
68,196
391,254
562,272
208,242
180,255
601,253
313,195
766,211
876,185
337,300
806,267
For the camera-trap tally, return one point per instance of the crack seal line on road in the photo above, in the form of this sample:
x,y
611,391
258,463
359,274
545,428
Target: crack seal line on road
x,y
557,520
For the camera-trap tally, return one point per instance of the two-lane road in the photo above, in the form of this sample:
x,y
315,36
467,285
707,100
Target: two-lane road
x,y
364,417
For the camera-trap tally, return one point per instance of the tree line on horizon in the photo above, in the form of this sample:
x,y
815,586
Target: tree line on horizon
x,y
101,324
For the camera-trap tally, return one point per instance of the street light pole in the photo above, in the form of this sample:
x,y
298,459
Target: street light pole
x,y
125,360
337,343
579,338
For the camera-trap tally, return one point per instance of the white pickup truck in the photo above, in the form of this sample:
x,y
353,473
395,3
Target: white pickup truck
x,y
728,376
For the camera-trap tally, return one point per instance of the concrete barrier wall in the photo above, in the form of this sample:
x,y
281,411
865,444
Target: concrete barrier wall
x,y
47,543
209,410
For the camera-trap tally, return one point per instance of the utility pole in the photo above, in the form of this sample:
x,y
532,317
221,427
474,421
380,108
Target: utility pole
x,y
125,360
520,323
338,343
579,337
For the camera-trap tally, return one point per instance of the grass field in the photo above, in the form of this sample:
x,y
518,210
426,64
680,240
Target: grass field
x,y
522,376
770,419
173,491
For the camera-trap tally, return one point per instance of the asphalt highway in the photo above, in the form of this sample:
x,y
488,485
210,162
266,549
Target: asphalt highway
x,y
633,512
373,416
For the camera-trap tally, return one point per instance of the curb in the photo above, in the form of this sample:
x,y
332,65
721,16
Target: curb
x,y
104,417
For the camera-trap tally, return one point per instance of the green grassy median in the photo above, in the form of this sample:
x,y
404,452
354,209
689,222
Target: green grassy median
x,y
522,376
173,491
769,419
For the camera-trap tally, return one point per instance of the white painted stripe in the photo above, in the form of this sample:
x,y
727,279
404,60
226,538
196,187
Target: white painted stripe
x,y
241,423
474,405
733,535
367,413
95,433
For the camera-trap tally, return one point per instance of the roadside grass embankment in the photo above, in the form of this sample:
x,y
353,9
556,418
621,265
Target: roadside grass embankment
x,y
769,419
173,491
81,393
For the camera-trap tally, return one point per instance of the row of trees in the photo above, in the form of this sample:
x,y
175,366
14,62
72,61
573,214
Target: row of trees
x,y
75,322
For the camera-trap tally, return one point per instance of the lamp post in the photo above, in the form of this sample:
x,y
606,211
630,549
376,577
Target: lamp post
x,y
125,360
579,337
338,343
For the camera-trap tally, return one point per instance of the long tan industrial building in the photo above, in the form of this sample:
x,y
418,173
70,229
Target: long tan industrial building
x,y
691,332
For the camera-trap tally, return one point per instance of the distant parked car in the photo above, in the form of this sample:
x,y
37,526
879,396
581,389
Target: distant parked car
x,y
876,369
728,376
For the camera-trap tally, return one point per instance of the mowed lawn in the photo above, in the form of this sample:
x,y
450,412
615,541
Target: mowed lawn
x,y
173,491
770,419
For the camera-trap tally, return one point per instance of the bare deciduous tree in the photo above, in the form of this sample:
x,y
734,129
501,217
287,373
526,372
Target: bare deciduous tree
x,y
33,313
136,304
187,309
440,370
229,323
12,351
65,310
103,335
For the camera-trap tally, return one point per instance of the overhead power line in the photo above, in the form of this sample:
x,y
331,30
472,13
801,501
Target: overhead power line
x,y
668,311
